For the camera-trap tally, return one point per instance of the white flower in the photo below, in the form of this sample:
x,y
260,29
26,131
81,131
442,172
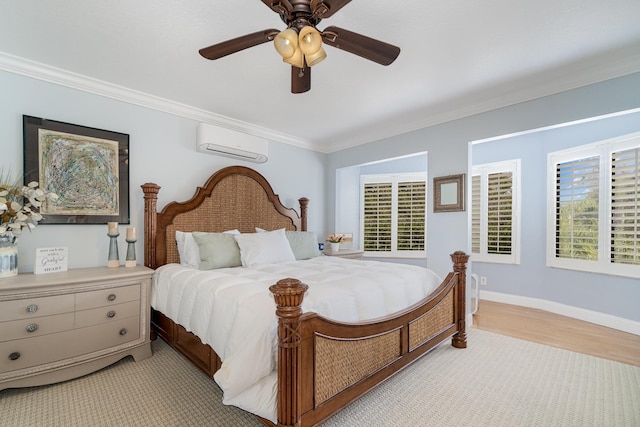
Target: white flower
x,y
20,206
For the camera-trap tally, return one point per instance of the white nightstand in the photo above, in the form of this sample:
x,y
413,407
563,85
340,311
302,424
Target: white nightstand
x,y
344,253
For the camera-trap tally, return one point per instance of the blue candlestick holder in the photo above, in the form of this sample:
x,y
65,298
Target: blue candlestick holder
x,y
131,253
114,257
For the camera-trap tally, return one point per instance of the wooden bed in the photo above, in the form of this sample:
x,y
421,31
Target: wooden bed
x,y
322,365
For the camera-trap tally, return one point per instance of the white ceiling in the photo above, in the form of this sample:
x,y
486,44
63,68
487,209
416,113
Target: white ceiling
x,y
458,58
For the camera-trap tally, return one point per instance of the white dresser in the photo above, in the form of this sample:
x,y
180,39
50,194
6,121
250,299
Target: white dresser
x,y
58,326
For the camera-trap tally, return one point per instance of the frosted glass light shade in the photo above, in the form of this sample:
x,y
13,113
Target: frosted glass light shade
x,y
286,42
310,40
316,58
297,59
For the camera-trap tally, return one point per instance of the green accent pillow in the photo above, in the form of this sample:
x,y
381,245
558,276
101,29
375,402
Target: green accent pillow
x,y
217,250
304,244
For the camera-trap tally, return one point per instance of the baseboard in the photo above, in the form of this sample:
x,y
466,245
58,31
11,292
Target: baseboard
x,y
595,317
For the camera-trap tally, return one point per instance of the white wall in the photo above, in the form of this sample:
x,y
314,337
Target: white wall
x,y
162,150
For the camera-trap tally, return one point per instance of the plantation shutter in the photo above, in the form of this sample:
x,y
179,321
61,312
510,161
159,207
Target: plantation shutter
x,y
378,211
577,194
411,216
476,197
625,216
499,213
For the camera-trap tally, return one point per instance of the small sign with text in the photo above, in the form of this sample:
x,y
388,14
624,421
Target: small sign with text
x,y
50,260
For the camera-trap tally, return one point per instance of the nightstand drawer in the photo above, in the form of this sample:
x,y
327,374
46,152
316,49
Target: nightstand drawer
x,y
28,352
26,328
36,307
99,315
106,297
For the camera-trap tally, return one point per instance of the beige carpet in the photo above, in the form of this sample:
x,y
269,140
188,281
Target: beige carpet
x,y
497,381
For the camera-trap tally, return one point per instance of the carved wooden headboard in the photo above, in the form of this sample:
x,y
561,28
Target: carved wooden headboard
x,y
235,197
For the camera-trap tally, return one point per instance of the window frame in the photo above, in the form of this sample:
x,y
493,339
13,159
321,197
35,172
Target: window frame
x,y
484,170
603,149
393,179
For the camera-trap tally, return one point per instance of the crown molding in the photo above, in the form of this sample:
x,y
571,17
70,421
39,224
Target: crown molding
x,y
599,68
40,71
582,73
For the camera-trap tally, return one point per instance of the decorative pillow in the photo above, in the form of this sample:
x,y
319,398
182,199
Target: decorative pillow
x,y
188,248
217,250
268,247
304,244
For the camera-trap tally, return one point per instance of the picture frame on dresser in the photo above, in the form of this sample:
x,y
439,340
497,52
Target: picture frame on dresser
x,y
87,168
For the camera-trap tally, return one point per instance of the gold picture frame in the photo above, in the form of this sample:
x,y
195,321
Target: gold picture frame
x,y
448,193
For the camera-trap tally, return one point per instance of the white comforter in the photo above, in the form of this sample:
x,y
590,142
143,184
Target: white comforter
x,y
233,311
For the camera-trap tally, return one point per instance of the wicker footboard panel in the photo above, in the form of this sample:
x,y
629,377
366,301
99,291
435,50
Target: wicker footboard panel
x,y
340,362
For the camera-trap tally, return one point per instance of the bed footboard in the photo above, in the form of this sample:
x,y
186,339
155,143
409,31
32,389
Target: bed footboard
x,y
325,365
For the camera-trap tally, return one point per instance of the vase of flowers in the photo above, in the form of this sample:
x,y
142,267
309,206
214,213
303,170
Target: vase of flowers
x,y
334,240
19,209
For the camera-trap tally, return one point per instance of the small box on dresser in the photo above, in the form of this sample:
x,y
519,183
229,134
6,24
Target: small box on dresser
x,y
58,326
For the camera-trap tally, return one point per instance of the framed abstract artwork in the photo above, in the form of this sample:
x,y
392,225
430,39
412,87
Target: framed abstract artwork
x,y
87,168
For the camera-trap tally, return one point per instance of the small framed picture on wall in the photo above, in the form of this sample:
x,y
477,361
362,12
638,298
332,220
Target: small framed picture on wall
x,y
448,193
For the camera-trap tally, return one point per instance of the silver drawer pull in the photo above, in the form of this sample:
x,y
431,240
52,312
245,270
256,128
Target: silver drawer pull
x,y
111,297
111,314
14,356
32,327
123,331
32,308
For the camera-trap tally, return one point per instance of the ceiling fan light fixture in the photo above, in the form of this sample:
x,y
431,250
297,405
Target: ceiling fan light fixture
x,y
297,59
286,42
316,58
310,40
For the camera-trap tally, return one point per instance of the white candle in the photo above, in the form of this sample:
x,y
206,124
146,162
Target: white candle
x,y
113,227
131,233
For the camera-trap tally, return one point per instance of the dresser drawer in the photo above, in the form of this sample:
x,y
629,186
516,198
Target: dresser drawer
x,y
106,297
26,328
99,315
28,352
35,307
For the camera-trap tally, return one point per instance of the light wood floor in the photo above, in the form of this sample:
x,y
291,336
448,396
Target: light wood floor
x,y
559,331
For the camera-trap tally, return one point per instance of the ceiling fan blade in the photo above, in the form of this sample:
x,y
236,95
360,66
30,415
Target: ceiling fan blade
x,y
300,79
325,8
228,47
366,47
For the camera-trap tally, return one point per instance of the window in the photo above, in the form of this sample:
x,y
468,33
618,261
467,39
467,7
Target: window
x,y
495,210
393,212
593,222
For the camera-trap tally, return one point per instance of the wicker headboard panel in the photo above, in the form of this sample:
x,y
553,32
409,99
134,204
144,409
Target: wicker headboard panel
x,y
233,198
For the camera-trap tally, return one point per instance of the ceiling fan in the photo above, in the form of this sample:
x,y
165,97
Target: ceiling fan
x,y
301,43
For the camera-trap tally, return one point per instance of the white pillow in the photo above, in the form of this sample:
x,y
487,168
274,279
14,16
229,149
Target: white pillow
x,y
304,244
188,249
268,247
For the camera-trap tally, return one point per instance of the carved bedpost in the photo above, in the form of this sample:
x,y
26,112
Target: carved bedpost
x,y
150,214
288,294
460,259
304,202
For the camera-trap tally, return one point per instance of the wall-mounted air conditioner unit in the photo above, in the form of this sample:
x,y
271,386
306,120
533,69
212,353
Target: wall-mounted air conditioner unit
x,y
230,143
